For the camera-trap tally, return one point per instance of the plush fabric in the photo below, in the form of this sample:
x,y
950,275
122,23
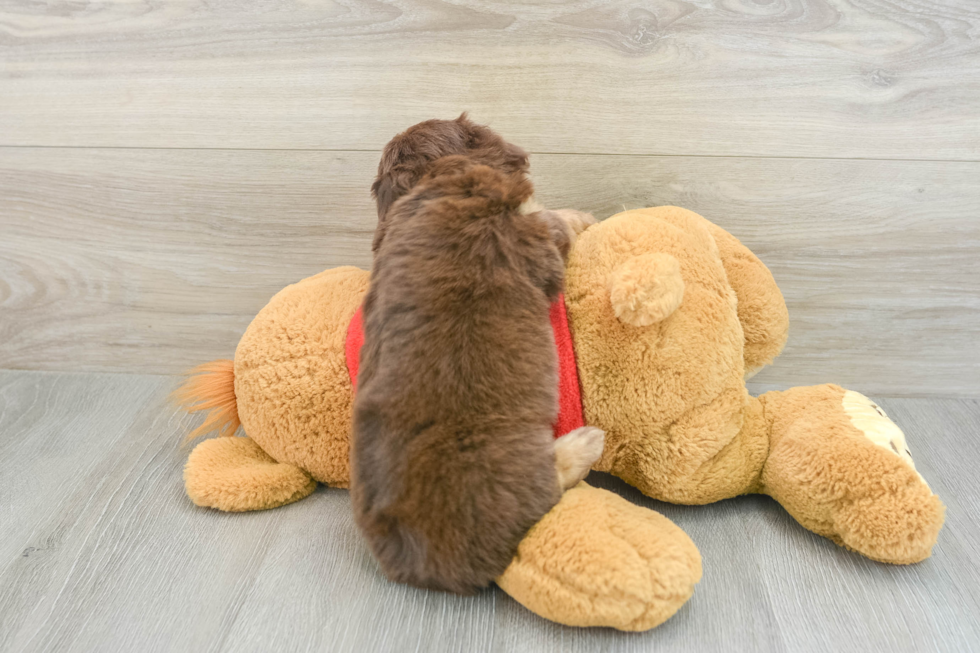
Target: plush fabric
x,y
294,393
235,475
598,560
669,314
670,395
679,423
830,468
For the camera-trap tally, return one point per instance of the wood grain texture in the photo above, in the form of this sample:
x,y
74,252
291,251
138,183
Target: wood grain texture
x,y
809,78
156,260
101,550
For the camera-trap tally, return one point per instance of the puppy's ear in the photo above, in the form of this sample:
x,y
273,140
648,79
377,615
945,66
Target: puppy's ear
x,y
386,189
548,269
548,272
516,158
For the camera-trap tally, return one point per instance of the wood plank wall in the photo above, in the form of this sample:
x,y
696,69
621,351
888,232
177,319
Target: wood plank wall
x,y
165,168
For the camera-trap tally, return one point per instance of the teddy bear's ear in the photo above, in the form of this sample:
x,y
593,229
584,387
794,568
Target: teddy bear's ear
x,y
646,289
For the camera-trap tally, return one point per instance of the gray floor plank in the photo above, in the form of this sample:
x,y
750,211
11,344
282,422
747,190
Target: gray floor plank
x,y
48,424
101,550
134,565
320,590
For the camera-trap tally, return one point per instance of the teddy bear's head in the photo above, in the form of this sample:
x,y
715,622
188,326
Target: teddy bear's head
x,y
657,333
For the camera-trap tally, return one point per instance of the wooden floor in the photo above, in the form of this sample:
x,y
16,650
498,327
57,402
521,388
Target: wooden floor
x,y
100,550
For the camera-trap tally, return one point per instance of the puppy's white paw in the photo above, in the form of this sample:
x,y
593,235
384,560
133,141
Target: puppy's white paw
x,y
576,452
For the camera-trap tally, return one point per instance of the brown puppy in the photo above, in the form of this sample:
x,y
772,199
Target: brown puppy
x,y
453,457
410,155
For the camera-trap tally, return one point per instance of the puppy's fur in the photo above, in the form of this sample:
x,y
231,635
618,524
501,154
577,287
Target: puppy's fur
x,y
410,155
452,456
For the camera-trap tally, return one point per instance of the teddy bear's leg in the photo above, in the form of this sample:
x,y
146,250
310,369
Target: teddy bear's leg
x,y
843,470
235,475
597,560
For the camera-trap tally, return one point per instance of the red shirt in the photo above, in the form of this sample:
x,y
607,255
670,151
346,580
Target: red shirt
x,y
569,394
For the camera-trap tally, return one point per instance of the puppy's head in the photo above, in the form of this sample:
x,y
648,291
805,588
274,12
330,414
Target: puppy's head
x,y
410,156
472,188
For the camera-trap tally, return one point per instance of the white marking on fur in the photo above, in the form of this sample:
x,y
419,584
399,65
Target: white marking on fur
x,y
529,206
575,454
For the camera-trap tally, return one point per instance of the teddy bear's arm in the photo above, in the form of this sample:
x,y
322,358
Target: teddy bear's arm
x,y
761,308
235,475
598,560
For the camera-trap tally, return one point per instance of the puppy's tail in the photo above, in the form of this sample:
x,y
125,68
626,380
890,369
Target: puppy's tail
x,y
210,387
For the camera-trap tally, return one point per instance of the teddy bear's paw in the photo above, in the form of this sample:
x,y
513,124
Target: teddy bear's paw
x,y
869,418
899,527
899,523
843,470
597,560
235,475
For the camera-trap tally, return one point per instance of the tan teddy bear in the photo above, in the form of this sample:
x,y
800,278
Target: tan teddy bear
x,y
669,314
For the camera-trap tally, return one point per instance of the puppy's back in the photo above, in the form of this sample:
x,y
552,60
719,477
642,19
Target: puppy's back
x,y
452,458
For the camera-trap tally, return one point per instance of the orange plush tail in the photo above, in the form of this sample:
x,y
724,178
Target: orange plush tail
x,y
211,387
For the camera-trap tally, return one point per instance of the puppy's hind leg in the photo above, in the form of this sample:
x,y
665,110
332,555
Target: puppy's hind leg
x,y
576,452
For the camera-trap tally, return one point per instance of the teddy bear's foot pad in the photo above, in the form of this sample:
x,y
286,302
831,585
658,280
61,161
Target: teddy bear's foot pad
x,y
844,471
597,560
235,475
917,512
